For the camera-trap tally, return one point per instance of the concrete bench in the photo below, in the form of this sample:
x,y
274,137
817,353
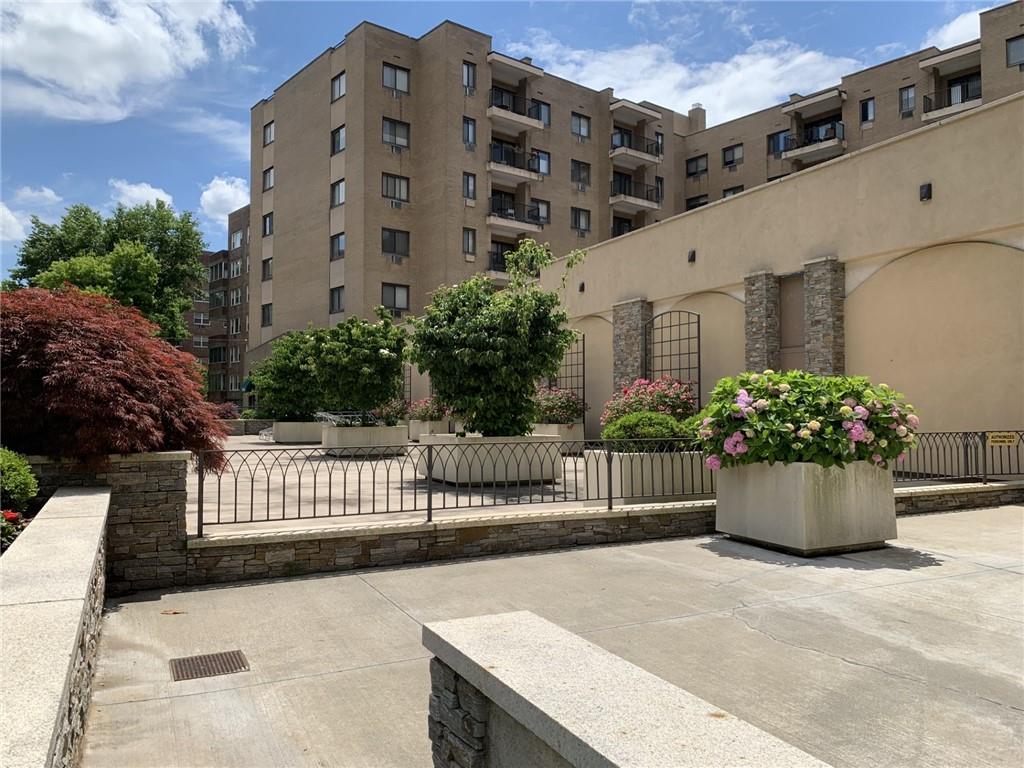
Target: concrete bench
x,y
514,689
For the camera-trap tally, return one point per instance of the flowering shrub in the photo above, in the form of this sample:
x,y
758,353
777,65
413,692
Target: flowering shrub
x,y
800,417
11,524
429,409
17,483
664,395
392,411
558,406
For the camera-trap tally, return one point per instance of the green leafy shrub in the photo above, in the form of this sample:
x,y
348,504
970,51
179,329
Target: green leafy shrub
x,y
802,417
558,406
358,364
664,395
286,379
485,349
17,483
248,413
644,425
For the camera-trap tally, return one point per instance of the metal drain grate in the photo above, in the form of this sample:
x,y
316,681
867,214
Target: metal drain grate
x,y
208,665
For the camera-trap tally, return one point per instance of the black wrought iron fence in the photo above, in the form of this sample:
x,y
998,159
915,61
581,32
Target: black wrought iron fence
x,y
308,483
963,457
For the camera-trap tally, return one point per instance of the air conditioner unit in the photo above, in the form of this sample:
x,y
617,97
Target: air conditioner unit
x,y
580,139
396,150
732,168
907,113
470,90
396,258
396,203
470,147
396,94
581,187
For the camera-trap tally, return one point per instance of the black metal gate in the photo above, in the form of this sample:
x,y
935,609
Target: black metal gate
x,y
672,348
572,373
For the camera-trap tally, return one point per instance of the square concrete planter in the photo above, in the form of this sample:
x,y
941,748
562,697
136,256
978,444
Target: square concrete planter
x,y
297,432
570,434
478,460
418,427
646,477
806,509
364,442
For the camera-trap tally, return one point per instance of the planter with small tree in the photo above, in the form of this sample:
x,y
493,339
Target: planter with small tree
x,y
428,417
288,390
485,350
805,460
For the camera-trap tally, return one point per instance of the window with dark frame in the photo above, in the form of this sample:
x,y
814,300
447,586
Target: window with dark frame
x,y
267,269
696,202
268,224
908,99
338,139
469,131
268,133
338,193
580,125
469,185
468,241
659,140
396,78
777,142
732,155
1015,51
580,219
867,110
579,172
337,249
732,191
543,210
394,187
469,77
543,111
659,187
396,132
395,297
697,166
337,86
266,315
394,242
337,299
543,162
268,178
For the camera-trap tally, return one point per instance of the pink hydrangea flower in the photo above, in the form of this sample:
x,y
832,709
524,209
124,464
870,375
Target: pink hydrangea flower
x,y
858,432
877,458
861,412
913,421
743,399
713,463
847,424
734,444
850,402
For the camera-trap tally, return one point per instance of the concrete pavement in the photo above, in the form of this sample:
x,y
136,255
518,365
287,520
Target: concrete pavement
x,y
907,656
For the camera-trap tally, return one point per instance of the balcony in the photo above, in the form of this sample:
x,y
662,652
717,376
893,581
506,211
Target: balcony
x,y
952,99
817,143
632,196
513,165
511,218
631,151
513,113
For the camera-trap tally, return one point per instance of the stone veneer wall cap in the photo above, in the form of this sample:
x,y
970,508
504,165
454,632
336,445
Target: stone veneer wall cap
x,y
629,301
115,457
758,272
306,534
942,490
819,259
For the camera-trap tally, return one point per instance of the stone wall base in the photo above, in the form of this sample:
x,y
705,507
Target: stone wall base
x,y
917,501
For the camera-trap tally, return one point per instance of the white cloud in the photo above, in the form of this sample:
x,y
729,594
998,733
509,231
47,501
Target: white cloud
x,y
44,196
12,225
126,193
103,61
232,135
766,73
221,196
890,50
966,26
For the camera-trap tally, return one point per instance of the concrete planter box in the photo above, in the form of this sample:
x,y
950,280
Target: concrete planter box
x,y
347,441
297,432
570,434
645,477
418,427
478,460
806,509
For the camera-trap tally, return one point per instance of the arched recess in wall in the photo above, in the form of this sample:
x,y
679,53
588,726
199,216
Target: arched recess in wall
x,y
598,373
945,326
722,350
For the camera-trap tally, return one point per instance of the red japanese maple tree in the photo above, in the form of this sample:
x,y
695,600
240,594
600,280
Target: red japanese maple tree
x,y
83,377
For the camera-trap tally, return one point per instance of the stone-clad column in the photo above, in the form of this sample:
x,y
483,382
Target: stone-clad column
x,y
761,294
629,319
824,316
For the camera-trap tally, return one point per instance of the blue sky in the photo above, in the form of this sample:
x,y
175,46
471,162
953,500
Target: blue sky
x,y
117,101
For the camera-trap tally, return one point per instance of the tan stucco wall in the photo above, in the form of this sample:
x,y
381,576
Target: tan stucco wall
x,y
721,334
598,372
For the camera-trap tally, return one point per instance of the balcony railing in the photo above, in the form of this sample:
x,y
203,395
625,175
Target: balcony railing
x,y
638,143
515,157
505,209
952,95
509,101
817,134
632,188
496,261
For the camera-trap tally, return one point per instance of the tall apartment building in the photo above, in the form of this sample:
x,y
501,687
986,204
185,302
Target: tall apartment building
x,y
229,312
390,165
197,319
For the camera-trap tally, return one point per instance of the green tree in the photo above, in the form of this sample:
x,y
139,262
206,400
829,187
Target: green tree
x,y
90,273
485,349
80,232
285,381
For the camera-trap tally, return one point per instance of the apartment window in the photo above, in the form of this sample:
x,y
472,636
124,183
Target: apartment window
x,y
236,268
394,187
338,193
266,315
469,131
267,269
867,110
543,161
216,382
233,382
696,202
236,239
468,240
696,166
580,219
337,139
395,297
543,210
235,324
732,155
396,78
200,318
268,133
579,172
337,299
338,246
542,111
268,224
777,142
268,178
200,342
469,186
580,125
337,86
659,187
1015,51
908,99
396,133
216,299
394,242
469,77
235,297
216,354
732,191
659,140
235,355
